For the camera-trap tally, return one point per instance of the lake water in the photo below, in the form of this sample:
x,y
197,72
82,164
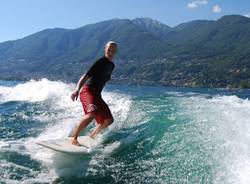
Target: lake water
x,y
160,135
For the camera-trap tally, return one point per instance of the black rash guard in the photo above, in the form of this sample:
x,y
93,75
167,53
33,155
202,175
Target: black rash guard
x,y
99,73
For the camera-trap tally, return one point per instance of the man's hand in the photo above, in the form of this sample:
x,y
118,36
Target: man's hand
x,y
74,95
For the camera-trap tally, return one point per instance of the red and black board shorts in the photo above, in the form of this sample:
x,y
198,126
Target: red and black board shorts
x,y
93,103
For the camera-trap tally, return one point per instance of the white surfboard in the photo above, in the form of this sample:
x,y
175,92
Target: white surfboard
x,y
64,145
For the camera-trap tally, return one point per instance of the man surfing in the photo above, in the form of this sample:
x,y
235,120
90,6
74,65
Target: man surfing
x,y
89,88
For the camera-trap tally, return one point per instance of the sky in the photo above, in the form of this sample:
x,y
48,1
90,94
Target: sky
x,y
20,18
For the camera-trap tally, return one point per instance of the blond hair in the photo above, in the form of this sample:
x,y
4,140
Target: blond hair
x,y
111,43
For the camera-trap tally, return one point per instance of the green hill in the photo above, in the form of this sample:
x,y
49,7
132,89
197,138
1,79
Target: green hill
x,y
198,53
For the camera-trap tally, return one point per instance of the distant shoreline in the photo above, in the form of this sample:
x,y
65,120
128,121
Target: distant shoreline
x,y
134,83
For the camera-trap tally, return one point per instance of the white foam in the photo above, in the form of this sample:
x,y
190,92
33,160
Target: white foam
x,y
33,176
4,144
33,91
224,123
111,147
61,116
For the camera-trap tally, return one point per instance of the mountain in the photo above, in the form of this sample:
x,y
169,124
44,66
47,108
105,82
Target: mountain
x,y
198,53
56,52
154,27
187,32
228,34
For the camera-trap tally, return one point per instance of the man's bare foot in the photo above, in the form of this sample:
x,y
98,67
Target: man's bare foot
x,y
75,142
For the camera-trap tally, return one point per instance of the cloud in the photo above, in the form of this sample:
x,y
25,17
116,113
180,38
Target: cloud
x,y
217,9
195,4
247,15
192,5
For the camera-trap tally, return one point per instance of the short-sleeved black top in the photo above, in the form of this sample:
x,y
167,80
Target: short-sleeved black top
x,y
99,73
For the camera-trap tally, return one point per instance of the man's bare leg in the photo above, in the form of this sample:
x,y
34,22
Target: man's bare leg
x,y
100,127
83,124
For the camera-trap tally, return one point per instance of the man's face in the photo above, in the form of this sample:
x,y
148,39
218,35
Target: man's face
x,y
110,50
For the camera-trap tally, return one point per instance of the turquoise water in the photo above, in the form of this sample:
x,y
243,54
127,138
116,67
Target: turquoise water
x,y
160,135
